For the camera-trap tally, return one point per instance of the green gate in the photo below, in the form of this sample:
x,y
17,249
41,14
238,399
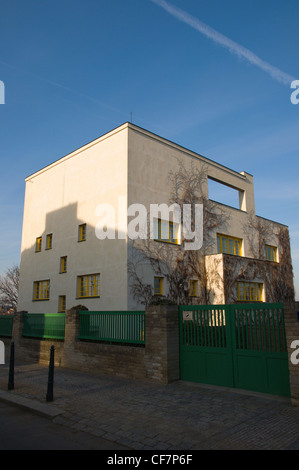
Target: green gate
x,y
241,345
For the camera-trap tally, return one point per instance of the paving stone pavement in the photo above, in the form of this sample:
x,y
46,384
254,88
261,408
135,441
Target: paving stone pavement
x,y
147,416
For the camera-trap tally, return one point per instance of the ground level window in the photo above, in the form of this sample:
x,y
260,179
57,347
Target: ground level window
x,y
193,288
62,303
250,291
42,290
89,286
158,285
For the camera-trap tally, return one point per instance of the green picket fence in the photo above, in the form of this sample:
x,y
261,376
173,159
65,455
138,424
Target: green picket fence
x,y
44,325
6,325
119,327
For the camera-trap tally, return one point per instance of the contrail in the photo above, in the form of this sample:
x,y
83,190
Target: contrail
x,y
224,41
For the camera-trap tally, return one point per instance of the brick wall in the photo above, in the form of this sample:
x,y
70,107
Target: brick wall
x,y
292,334
157,361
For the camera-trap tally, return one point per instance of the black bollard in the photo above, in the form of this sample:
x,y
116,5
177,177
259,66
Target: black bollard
x,y
51,376
11,382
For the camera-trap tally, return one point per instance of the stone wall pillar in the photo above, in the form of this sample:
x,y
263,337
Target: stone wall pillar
x,y
162,361
72,324
292,334
17,330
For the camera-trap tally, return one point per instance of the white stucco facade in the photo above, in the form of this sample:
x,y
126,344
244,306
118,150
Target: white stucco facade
x,y
125,166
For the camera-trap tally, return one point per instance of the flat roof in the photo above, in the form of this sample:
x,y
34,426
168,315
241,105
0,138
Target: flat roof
x,y
142,131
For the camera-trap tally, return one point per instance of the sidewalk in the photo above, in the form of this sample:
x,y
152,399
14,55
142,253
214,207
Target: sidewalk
x,y
142,415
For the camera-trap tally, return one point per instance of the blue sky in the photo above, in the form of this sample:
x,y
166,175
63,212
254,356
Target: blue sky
x,y
210,75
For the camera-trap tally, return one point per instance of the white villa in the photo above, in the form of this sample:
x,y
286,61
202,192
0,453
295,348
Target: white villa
x,y
64,263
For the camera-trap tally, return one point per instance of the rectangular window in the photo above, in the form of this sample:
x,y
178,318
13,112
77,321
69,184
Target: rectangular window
x,y
89,286
82,233
193,288
250,291
229,245
63,264
271,253
42,290
49,240
158,286
38,244
166,231
62,303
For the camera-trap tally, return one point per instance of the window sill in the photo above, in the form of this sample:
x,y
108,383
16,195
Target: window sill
x,y
89,297
167,242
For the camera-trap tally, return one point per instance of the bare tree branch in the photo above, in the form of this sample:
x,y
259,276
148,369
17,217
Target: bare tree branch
x,y
9,286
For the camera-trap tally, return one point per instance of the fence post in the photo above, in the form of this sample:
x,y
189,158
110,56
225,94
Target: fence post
x,y
11,375
49,396
162,343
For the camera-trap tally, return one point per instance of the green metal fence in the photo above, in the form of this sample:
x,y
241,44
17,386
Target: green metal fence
x,y
6,325
119,327
44,325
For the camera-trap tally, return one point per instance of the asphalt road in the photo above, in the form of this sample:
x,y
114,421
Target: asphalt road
x,y
23,430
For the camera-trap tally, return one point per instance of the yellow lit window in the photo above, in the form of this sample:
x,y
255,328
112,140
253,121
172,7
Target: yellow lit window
x,y
193,288
49,241
158,286
62,303
82,233
89,286
270,253
38,244
229,245
63,264
42,290
166,231
250,291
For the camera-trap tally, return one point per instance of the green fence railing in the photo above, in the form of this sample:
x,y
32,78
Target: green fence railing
x,y
44,325
119,327
6,325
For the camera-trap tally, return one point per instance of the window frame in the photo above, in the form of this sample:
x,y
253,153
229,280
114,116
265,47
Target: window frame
x,y
63,265
239,241
82,232
193,291
38,244
247,288
61,303
170,229
160,279
273,251
39,289
49,241
81,289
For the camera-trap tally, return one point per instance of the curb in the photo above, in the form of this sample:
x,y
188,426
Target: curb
x,y
48,411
